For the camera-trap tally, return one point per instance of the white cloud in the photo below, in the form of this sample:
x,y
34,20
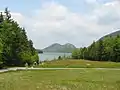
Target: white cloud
x,y
18,17
55,23
107,16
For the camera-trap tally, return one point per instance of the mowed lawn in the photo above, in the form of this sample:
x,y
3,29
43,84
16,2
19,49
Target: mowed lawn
x,y
78,64
86,79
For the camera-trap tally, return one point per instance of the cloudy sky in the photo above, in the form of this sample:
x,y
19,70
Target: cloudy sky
x,y
65,21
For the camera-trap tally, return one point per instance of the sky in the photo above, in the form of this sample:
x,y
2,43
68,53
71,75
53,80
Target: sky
x,y
79,22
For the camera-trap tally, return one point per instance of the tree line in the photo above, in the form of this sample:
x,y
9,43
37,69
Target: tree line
x,y
15,48
107,49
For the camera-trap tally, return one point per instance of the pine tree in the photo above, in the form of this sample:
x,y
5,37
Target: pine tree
x,y
15,48
8,15
116,49
1,17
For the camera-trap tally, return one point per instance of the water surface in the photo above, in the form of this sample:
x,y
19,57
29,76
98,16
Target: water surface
x,y
51,55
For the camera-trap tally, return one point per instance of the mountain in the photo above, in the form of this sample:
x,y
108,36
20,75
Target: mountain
x,y
111,34
59,48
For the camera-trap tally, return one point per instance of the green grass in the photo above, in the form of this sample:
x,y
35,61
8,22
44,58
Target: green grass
x,y
79,64
87,79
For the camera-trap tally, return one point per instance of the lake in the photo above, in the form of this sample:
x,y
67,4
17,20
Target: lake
x,y
51,55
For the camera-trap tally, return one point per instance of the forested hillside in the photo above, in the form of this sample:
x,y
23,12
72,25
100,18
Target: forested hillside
x,y
15,48
112,34
107,49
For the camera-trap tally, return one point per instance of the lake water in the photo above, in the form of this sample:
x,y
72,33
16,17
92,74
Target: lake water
x,y
51,55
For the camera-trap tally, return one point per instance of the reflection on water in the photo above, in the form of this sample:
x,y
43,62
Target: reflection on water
x,y
51,55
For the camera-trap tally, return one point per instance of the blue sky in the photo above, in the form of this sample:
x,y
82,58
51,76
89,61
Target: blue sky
x,y
25,6
65,21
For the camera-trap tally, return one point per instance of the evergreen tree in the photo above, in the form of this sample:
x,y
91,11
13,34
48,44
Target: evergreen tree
x,y
100,50
15,48
8,15
107,49
116,49
1,17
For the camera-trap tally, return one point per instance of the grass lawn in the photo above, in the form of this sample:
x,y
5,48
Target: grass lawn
x,y
79,64
87,79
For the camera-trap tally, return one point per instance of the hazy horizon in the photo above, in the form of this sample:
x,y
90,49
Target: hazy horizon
x,y
78,22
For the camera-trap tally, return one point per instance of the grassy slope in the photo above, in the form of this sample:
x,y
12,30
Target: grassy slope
x,y
79,64
87,79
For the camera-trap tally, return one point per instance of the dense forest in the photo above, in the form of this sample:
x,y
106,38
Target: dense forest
x,y
106,49
15,48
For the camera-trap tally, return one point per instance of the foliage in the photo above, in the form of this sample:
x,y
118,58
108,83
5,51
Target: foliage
x,y
15,48
107,49
59,58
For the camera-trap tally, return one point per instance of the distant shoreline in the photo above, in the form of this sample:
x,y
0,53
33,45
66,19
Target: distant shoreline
x,y
55,52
